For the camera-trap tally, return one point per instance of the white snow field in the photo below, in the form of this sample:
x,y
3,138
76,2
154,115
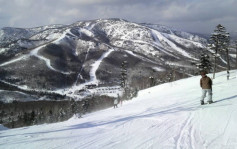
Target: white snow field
x,y
168,116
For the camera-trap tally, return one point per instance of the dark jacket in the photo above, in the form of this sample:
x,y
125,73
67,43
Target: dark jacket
x,y
206,82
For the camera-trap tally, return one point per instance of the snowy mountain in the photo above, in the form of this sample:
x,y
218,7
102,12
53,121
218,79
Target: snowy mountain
x,y
84,58
165,116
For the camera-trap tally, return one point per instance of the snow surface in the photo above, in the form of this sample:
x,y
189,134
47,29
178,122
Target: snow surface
x,y
233,55
2,50
35,51
158,69
161,37
47,61
10,96
14,60
187,43
3,128
96,65
223,60
167,116
93,80
140,57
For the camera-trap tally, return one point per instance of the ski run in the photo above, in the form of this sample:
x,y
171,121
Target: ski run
x,y
93,78
35,53
167,116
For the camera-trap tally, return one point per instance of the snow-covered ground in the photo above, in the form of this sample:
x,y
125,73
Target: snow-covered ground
x,y
35,51
167,116
162,37
93,80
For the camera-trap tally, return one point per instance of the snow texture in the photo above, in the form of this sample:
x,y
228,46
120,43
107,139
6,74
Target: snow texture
x,y
167,116
161,37
3,128
93,80
35,51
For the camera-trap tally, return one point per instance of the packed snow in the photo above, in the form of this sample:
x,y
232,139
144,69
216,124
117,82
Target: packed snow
x,y
166,116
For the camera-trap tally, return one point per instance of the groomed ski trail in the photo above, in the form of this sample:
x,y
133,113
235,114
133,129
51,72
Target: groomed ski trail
x,y
34,52
168,116
93,78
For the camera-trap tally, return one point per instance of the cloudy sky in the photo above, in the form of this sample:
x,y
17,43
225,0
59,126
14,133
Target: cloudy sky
x,y
199,16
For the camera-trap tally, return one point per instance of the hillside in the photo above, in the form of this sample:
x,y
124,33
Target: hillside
x,y
165,116
65,59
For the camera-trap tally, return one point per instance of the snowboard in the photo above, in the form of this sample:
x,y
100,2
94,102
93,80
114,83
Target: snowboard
x,y
206,103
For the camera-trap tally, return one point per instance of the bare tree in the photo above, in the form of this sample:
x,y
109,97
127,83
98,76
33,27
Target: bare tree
x,y
225,48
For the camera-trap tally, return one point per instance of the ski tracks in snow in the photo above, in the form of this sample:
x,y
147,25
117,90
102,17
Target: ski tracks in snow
x,y
186,134
190,136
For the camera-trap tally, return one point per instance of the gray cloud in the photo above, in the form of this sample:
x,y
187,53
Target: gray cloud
x,y
189,15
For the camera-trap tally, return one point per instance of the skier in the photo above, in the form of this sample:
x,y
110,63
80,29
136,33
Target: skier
x,y
120,100
85,106
228,75
206,85
115,103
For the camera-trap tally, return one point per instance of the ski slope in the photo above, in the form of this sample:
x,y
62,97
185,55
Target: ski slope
x,y
168,116
35,53
93,78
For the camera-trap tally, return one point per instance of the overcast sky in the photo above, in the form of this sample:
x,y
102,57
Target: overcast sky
x,y
199,16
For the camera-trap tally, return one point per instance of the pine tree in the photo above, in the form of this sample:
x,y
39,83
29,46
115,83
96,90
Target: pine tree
x,y
123,76
152,81
204,64
169,77
218,41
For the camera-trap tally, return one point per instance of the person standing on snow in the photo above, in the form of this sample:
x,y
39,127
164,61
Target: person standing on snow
x,y
120,100
206,85
115,103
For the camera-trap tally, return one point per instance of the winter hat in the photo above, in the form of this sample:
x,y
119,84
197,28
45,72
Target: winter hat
x,y
203,72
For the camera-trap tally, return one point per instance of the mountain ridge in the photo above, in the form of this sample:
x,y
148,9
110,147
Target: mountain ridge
x,y
81,51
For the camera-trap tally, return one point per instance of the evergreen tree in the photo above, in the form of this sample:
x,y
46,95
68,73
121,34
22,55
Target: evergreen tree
x,y
123,76
169,77
205,64
152,81
219,42
135,92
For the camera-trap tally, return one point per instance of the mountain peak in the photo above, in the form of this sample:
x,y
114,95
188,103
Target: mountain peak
x,y
91,52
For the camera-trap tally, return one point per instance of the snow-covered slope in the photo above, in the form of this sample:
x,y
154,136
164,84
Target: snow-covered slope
x,y
91,52
167,116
